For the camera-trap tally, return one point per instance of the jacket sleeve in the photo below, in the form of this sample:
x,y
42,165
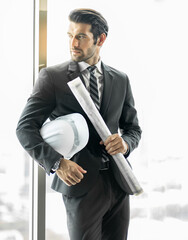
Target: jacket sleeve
x,y
129,126
38,108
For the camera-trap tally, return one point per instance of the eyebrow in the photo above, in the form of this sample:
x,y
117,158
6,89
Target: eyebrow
x,y
78,34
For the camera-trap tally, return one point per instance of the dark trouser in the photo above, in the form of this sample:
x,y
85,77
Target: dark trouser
x,y
101,214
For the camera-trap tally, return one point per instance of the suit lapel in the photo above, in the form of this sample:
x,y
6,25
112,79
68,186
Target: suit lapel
x,y
74,71
107,90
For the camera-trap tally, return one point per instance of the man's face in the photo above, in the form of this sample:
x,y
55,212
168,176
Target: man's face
x,y
82,47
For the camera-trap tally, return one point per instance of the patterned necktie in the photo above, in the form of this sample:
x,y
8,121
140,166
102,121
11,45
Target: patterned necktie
x,y
93,87
95,96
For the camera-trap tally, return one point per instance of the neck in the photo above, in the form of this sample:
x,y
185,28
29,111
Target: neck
x,y
95,58
93,61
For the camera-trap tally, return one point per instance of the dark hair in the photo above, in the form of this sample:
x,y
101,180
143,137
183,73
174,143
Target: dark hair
x,y
89,16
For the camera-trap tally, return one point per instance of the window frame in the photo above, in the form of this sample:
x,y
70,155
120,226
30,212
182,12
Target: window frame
x,y
38,175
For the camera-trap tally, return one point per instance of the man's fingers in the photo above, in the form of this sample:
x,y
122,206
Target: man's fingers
x,y
73,180
115,144
74,177
113,151
69,179
111,138
67,182
77,176
63,178
81,170
70,172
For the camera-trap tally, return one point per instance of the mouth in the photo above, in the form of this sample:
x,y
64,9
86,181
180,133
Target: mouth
x,y
75,51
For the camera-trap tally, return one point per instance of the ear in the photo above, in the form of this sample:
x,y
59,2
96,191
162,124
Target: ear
x,y
101,39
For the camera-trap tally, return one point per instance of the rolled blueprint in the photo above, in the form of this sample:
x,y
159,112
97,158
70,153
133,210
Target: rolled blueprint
x,y
130,182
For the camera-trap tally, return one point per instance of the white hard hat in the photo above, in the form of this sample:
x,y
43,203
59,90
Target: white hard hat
x,y
66,134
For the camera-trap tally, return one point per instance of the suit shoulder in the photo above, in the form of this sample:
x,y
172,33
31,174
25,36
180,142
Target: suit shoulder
x,y
58,67
116,72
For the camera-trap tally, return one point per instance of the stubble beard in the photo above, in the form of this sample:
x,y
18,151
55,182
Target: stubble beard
x,y
83,57
77,58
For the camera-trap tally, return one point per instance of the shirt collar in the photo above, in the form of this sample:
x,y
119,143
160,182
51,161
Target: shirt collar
x,y
83,66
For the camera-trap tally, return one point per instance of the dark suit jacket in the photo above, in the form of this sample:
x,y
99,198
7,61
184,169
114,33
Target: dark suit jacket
x,y
52,98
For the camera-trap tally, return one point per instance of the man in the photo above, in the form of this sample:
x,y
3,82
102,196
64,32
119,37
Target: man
x,y
97,205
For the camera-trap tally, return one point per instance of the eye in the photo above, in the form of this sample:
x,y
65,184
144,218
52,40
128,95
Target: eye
x,y
69,35
81,37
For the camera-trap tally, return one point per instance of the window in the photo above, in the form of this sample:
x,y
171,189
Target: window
x,y
148,43
16,56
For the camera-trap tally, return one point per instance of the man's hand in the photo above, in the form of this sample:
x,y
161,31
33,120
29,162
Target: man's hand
x,y
115,144
70,172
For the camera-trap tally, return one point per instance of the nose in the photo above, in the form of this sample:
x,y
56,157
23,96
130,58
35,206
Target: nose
x,y
74,42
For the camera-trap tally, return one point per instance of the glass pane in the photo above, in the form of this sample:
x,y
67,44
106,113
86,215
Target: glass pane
x,y
148,43
56,226
16,24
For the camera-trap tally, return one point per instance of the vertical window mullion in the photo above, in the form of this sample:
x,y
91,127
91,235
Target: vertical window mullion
x,y
38,181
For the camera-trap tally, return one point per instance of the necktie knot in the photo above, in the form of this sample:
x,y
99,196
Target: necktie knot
x,y
91,68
